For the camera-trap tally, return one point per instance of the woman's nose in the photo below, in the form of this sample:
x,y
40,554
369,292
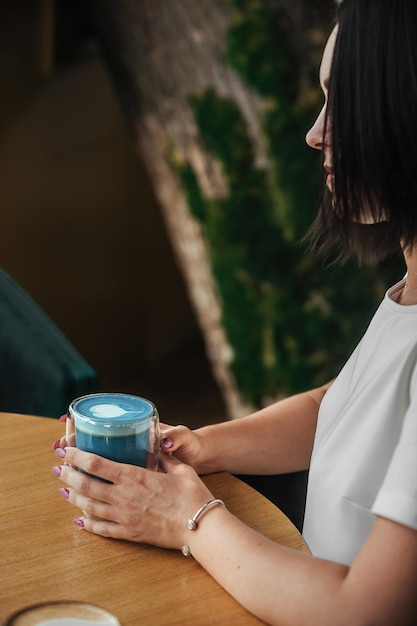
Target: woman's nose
x,y
314,137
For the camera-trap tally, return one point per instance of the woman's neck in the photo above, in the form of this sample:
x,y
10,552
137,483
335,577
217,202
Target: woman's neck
x,y
408,295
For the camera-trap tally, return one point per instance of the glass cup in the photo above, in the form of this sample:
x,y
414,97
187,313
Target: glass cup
x,y
117,426
62,613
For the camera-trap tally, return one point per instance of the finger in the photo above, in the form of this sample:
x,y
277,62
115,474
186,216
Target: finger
x,y
169,463
104,528
163,427
64,442
96,465
174,437
83,485
65,418
89,506
60,443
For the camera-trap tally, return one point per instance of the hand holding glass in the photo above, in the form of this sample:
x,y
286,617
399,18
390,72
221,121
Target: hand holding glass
x,y
120,427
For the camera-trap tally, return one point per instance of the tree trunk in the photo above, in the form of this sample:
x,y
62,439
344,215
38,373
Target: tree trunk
x,y
161,52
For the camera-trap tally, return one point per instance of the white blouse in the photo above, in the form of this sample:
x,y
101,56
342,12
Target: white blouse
x,y
364,460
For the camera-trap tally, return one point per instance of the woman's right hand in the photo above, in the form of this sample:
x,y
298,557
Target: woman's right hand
x,y
185,444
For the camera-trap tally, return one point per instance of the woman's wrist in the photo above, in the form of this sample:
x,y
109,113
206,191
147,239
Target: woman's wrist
x,y
193,522
211,450
196,543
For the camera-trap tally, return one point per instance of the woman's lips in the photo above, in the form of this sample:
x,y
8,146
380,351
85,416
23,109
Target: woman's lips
x,y
330,181
329,177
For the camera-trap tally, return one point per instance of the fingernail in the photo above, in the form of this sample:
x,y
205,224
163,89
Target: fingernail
x,y
63,418
79,523
56,470
167,443
60,452
55,445
64,492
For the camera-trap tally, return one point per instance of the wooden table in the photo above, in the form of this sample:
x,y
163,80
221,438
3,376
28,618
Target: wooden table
x,y
43,556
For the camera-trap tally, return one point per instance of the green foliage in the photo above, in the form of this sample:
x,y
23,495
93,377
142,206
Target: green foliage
x,y
197,204
260,53
290,323
233,148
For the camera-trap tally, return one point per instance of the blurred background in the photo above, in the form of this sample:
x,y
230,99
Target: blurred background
x,y
154,189
80,227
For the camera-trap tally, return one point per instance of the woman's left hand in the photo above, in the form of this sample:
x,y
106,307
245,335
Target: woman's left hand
x,y
137,504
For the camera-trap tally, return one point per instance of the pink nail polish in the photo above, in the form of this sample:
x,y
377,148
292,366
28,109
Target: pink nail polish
x,y
79,523
64,492
60,452
167,443
56,470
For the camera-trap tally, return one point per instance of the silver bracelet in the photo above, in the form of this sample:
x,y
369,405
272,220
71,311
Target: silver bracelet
x,y
192,521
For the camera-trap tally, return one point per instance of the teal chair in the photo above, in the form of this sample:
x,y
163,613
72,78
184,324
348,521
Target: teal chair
x,y
40,370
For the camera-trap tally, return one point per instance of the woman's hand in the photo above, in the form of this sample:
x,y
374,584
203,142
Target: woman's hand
x,y
137,504
183,443
179,441
63,441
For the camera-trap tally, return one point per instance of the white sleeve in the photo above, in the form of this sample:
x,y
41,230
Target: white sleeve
x,y
397,497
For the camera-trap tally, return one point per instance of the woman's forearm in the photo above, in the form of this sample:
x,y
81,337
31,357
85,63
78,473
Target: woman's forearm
x,y
277,439
285,587
271,581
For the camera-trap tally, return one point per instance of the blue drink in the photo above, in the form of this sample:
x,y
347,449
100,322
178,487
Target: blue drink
x,y
117,426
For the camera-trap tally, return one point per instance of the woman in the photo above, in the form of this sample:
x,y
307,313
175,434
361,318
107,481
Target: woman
x,y
357,435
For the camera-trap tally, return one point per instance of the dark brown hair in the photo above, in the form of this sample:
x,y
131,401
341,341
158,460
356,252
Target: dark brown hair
x,y
372,118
